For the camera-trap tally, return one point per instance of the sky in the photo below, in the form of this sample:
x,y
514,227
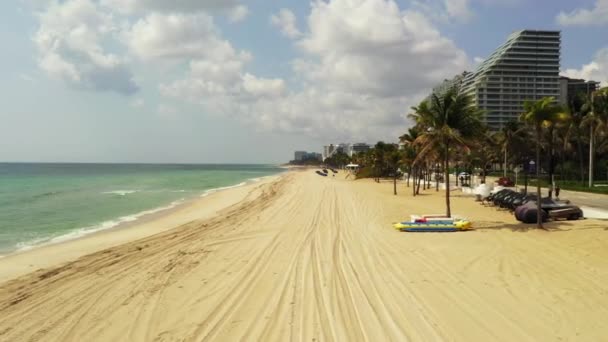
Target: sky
x,y
235,81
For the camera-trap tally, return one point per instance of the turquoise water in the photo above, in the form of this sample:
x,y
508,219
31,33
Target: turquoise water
x,y
47,203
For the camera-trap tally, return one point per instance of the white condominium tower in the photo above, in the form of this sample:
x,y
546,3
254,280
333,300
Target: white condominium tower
x,y
525,67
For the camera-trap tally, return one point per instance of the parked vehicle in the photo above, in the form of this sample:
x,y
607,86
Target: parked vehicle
x,y
505,181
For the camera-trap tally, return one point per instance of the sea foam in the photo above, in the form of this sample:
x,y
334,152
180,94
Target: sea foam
x,y
212,191
81,232
120,192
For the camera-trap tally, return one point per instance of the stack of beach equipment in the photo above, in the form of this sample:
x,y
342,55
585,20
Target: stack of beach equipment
x,y
433,223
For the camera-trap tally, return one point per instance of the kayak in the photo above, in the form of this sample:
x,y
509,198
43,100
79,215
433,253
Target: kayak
x,y
430,230
434,226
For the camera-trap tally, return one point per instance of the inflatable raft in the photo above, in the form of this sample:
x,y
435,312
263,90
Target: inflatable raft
x,y
434,226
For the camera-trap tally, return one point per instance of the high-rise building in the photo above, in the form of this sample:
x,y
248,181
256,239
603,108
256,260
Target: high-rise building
x,y
358,148
347,148
525,67
570,87
299,155
447,84
328,150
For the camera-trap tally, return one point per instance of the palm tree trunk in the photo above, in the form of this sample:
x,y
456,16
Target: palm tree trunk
x,y
526,181
551,159
414,170
436,179
504,173
591,153
539,216
423,176
580,155
395,184
446,163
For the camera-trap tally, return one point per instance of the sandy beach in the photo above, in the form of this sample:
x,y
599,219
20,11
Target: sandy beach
x,y
305,258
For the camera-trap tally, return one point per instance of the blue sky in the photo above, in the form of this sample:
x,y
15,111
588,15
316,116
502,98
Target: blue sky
x,y
248,81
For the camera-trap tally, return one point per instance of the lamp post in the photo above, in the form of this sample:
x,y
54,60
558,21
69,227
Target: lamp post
x,y
531,167
532,164
516,170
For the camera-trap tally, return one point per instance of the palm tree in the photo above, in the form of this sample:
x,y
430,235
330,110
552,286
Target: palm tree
x,y
446,121
596,118
379,161
578,111
536,114
508,135
486,150
393,161
555,128
409,150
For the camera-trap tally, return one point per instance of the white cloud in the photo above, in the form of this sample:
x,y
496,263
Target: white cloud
x,y
216,69
178,36
238,13
390,53
286,21
70,43
365,63
597,16
459,9
172,6
596,70
212,82
262,87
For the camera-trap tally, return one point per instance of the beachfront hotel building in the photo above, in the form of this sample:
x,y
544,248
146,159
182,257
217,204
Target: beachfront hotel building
x,y
448,84
525,67
348,149
304,156
299,155
570,87
358,148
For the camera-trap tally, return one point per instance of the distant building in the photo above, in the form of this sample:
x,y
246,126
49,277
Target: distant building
x,y
525,67
328,150
314,156
570,87
448,84
359,148
347,148
299,155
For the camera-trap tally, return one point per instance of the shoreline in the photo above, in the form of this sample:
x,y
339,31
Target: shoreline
x,y
125,221
153,221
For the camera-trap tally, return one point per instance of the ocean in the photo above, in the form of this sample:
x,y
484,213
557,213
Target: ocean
x,y
48,203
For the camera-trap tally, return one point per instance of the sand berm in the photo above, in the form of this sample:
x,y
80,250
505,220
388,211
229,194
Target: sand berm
x,y
307,258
